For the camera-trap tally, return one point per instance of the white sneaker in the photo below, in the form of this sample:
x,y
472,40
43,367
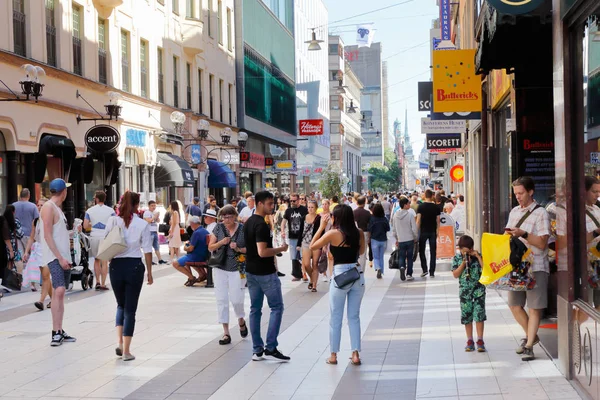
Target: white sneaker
x,y
409,278
258,356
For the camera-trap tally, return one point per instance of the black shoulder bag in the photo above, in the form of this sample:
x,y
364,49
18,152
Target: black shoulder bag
x,y
218,257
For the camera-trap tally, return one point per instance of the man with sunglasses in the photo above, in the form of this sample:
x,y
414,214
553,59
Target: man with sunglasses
x,y
294,220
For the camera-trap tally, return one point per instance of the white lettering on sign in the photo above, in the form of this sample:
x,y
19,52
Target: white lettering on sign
x,y
443,143
103,139
307,127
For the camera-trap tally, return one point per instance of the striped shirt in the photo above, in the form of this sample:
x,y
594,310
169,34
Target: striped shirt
x,y
538,224
590,225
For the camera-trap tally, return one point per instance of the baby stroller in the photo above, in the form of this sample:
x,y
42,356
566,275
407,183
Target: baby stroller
x,y
80,248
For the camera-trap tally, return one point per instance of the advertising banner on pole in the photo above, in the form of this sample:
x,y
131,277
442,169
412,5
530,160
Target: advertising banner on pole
x,y
445,19
456,88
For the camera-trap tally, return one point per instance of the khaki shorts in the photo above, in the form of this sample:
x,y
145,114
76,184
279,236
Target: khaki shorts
x,y
94,245
536,298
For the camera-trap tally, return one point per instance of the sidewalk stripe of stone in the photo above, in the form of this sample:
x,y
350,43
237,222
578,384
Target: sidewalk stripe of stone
x,y
390,350
203,372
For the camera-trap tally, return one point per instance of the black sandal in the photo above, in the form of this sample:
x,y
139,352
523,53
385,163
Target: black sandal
x,y
310,286
244,330
226,340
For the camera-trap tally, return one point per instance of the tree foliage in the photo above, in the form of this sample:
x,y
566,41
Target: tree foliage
x,y
332,181
386,178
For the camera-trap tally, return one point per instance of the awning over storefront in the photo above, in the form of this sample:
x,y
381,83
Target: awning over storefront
x,y
507,40
220,176
57,146
173,171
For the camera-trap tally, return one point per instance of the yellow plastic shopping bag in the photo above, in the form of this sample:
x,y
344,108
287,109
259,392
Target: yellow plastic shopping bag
x,y
496,257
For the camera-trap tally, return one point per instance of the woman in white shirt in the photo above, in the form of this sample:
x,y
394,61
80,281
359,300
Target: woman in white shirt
x,y
127,270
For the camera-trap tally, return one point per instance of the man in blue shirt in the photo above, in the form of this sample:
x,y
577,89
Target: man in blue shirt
x,y
25,212
196,248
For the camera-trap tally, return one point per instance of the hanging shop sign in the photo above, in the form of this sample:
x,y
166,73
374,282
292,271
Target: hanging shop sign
x,y
451,126
425,90
196,157
311,127
456,88
102,138
444,142
535,158
285,165
595,158
268,162
516,7
252,160
135,137
230,158
445,19
457,173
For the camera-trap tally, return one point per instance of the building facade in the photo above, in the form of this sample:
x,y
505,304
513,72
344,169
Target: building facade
x,y
266,90
88,50
312,92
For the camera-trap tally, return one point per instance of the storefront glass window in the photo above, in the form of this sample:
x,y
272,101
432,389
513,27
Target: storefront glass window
x,y
96,184
132,173
162,196
245,182
54,169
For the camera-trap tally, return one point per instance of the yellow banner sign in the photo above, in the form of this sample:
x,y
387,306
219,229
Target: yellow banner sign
x,y
456,88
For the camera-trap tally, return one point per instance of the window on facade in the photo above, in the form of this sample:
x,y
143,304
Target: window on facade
x,y
102,57
200,85
230,99
161,77
125,67
229,31
333,49
132,173
188,76
175,83
334,102
221,100
50,33
175,7
209,18
77,29
220,21
19,30
189,8
211,79
143,68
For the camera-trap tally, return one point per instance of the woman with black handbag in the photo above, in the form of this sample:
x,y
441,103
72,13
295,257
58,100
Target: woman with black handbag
x,y
346,242
227,241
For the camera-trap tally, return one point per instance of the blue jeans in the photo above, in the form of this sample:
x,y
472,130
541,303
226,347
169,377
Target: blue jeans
x,y
293,243
406,251
378,252
337,300
155,244
260,286
127,279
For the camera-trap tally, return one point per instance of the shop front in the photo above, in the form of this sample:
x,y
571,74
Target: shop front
x,y
221,181
252,169
173,179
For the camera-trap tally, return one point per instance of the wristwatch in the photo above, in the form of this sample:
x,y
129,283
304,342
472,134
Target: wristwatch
x,y
524,236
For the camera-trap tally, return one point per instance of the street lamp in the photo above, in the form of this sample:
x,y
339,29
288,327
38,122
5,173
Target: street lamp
x,y
31,85
313,44
113,108
178,119
242,139
226,135
203,127
351,109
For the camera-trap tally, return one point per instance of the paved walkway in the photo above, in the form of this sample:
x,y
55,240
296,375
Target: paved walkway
x,y
412,349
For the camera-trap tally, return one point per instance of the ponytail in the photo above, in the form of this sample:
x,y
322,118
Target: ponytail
x,y
129,202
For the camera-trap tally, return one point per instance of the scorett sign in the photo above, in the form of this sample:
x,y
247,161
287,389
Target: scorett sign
x,y
102,138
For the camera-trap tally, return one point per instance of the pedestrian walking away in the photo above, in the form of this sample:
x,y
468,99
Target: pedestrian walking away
x,y
362,218
263,280
25,212
230,276
428,223
531,224
406,234
94,222
346,242
56,254
378,228
127,269
152,217
34,270
174,232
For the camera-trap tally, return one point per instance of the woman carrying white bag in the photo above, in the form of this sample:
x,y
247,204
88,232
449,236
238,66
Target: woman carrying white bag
x,y
127,236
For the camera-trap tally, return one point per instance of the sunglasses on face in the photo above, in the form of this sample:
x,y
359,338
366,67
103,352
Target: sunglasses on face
x,y
293,201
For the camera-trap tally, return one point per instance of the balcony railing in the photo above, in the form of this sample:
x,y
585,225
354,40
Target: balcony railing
x,y
189,97
77,67
175,94
102,67
144,82
51,44
125,75
19,32
161,88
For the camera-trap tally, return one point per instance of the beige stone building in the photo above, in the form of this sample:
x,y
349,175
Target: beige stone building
x,y
159,56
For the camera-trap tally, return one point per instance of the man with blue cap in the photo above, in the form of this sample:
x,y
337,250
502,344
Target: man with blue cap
x,y
56,253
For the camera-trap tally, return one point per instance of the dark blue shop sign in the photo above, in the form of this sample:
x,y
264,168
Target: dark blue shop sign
x,y
516,7
135,137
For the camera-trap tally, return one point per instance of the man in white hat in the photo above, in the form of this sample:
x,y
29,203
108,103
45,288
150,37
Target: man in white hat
x,y
210,219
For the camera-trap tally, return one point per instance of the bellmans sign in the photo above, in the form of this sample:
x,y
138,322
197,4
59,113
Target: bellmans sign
x,y
102,138
516,7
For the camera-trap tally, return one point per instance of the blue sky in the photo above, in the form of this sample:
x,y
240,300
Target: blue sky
x,y
401,29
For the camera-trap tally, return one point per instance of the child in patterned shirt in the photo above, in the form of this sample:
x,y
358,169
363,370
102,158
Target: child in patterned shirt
x,y
466,267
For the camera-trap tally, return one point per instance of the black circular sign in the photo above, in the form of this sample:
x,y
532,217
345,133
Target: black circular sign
x,y
102,138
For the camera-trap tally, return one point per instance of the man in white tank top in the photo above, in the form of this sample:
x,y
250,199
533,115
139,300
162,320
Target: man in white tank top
x,y
56,253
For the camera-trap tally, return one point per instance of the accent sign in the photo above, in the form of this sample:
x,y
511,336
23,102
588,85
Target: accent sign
x,y
310,127
102,138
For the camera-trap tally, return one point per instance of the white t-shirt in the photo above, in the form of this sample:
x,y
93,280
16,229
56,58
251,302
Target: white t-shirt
x,y
153,225
211,227
246,213
98,217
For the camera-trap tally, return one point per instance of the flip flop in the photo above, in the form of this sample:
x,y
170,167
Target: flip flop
x,y
355,363
328,361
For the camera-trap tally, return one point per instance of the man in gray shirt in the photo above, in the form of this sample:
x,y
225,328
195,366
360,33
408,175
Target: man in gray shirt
x,y
25,212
